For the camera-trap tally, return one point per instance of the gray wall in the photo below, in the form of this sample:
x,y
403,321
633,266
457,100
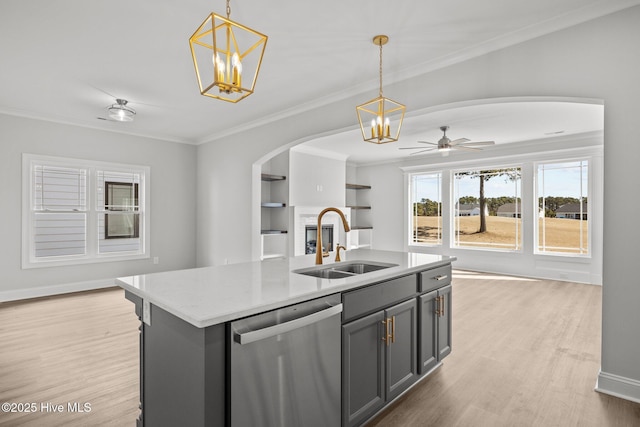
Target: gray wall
x,y
316,180
172,210
597,59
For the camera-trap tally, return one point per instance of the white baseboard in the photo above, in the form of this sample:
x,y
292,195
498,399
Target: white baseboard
x,y
615,385
45,291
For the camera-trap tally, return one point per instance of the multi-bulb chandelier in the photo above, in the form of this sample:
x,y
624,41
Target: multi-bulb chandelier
x,y
227,57
381,118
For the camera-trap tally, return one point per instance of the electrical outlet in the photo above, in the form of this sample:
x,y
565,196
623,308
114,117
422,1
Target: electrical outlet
x,y
156,260
146,312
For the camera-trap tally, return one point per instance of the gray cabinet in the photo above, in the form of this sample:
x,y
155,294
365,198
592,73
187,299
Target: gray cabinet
x,y
379,360
435,327
363,368
444,322
401,347
182,370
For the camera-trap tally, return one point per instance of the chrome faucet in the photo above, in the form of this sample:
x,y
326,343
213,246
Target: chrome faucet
x,y
319,247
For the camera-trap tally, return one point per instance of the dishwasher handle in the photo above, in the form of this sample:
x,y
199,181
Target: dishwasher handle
x,y
281,328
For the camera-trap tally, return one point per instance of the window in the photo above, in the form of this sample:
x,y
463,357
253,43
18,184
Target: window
x,y
77,211
487,209
563,223
426,208
121,202
59,211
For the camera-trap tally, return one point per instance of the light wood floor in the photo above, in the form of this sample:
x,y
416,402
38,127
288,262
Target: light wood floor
x,y
525,353
77,348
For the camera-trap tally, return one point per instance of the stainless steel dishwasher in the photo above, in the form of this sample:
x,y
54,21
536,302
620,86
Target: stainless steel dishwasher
x,y
285,366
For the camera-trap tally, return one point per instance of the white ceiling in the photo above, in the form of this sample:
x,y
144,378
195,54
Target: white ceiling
x,y
66,60
502,122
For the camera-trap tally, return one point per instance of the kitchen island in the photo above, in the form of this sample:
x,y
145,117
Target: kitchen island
x,y
185,339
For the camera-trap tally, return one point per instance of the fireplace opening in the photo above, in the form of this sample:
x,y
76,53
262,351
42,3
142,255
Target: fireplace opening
x,y
311,236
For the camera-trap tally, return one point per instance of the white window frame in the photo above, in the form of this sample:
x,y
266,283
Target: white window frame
x,y
454,217
92,255
590,198
442,212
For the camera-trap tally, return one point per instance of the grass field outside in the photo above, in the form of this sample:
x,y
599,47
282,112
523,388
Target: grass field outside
x,y
554,234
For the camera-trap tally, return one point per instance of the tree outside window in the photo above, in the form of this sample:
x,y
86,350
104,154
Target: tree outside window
x,y
487,208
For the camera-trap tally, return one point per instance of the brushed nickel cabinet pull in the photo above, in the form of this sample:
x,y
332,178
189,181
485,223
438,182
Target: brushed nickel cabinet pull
x,y
441,277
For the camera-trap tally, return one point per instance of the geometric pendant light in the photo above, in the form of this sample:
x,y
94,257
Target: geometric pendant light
x,y
227,57
381,118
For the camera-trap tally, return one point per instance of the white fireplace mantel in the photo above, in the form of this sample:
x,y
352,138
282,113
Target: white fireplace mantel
x,y
304,216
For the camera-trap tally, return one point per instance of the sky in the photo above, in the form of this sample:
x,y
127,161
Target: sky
x,y
569,179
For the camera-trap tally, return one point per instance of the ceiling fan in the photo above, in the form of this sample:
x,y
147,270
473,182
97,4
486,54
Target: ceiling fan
x,y
445,145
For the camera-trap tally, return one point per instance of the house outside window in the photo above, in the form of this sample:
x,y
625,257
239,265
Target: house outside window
x,y
562,193
486,211
78,211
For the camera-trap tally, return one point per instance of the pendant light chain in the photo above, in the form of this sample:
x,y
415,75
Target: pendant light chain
x,y
228,9
380,68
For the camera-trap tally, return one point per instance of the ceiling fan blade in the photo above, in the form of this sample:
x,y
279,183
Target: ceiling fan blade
x,y
465,147
479,143
410,148
459,141
423,151
427,142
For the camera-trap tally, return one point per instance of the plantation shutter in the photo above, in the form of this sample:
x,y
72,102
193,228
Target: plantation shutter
x,y
59,211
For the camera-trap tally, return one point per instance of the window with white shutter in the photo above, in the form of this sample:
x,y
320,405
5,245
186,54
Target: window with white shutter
x,y
59,211
77,211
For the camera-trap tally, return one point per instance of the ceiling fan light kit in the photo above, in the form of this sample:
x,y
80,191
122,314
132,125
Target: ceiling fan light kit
x,y
227,57
120,112
381,118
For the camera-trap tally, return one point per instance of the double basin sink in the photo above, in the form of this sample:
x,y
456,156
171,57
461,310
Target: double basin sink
x,y
343,270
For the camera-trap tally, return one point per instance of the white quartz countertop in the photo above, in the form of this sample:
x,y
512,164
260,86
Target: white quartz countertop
x,y
212,295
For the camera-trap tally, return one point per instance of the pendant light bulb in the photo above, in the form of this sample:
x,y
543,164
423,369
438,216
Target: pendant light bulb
x,y
219,68
236,67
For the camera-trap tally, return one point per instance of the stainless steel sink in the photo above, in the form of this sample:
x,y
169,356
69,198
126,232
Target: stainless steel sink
x,y
342,270
361,267
326,273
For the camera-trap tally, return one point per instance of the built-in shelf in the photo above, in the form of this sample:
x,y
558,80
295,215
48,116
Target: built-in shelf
x,y
273,244
361,235
269,177
273,205
273,232
357,187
